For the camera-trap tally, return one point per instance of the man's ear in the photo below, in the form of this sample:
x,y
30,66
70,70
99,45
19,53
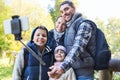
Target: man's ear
x,y
74,9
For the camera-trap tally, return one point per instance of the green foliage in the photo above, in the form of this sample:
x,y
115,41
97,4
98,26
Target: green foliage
x,y
116,76
4,14
37,16
6,69
55,11
113,27
6,72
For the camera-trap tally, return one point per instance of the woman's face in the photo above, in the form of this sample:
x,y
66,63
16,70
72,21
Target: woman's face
x,y
59,55
60,25
40,37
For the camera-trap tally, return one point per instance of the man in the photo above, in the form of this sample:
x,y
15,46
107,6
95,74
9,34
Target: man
x,y
79,39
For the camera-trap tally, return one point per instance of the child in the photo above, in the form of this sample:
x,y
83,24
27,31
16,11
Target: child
x,y
34,70
56,35
59,54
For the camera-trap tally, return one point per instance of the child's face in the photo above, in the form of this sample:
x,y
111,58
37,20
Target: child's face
x,y
60,25
59,55
40,37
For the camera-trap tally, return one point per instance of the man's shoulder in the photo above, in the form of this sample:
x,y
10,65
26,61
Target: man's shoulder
x,y
79,20
85,21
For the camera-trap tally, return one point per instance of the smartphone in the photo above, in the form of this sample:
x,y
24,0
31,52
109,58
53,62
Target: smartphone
x,y
24,24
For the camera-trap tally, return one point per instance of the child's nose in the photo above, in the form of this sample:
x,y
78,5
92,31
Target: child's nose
x,y
40,36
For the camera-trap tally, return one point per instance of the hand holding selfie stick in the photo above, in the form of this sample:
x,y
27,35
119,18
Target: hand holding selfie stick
x,y
16,25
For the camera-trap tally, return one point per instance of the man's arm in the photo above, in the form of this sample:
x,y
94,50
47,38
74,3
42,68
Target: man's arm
x,y
81,39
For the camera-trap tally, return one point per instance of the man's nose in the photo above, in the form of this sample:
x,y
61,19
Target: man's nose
x,y
63,14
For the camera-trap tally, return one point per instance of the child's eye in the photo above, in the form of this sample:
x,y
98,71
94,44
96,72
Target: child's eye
x,y
38,34
44,35
61,51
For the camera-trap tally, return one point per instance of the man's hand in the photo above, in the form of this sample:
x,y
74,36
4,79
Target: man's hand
x,y
55,72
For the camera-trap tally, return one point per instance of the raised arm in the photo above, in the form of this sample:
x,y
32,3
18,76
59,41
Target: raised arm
x,y
81,39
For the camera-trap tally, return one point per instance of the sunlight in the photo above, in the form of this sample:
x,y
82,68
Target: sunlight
x,y
102,9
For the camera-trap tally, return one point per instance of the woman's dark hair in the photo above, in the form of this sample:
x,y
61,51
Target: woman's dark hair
x,y
70,3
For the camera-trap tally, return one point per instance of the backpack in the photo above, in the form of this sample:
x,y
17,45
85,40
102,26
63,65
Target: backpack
x,y
102,54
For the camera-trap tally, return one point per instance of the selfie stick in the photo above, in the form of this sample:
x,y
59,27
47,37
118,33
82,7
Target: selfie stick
x,y
16,30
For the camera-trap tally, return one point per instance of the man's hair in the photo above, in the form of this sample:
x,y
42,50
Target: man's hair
x,y
70,3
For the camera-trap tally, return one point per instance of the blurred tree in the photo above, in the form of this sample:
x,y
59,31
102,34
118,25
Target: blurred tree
x,y
37,16
55,11
4,14
113,27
